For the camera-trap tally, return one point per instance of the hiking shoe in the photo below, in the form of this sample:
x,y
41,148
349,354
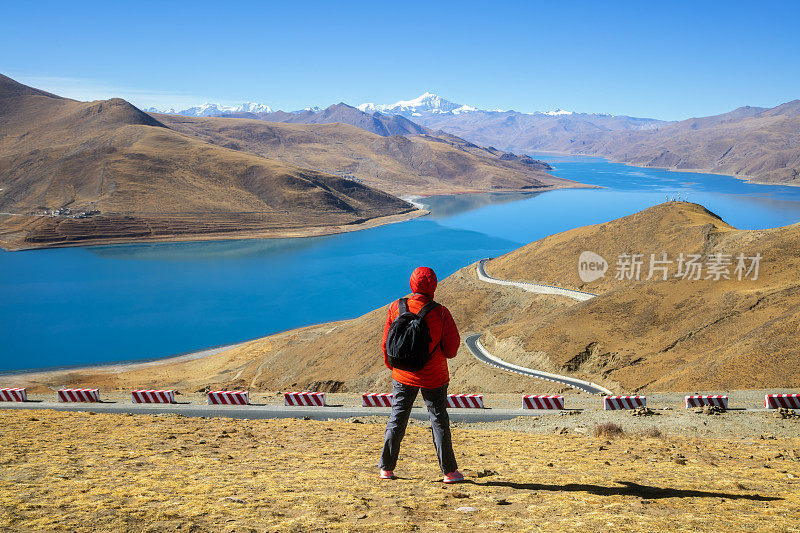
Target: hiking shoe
x,y
387,474
453,477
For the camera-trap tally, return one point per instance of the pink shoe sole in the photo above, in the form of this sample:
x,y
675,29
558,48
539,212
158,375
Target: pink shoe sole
x,y
453,477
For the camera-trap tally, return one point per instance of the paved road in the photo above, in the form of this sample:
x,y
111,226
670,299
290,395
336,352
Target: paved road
x,y
533,287
258,412
482,354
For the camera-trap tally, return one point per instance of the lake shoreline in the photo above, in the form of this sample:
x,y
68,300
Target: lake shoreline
x,y
121,366
743,177
315,231
295,233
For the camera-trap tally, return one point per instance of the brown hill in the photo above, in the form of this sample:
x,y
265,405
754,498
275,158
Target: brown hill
x,y
646,335
677,334
378,123
524,133
755,143
423,164
149,181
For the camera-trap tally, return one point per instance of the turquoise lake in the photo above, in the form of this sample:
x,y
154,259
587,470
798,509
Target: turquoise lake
x,y
78,306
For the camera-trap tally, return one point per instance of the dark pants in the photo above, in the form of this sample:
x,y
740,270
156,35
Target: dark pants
x,y
436,401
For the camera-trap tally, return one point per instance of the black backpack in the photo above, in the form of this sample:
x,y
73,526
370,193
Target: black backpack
x,y
409,338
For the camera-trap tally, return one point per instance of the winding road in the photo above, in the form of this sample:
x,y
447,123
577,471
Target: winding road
x,y
533,287
482,354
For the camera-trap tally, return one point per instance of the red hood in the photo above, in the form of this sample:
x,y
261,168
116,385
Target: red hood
x,y
423,280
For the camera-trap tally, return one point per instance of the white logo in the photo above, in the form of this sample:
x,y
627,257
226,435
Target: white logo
x,y
591,266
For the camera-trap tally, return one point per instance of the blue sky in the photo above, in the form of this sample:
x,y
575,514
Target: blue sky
x,y
669,60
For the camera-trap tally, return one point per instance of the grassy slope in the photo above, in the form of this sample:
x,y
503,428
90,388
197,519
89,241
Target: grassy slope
x,y
675,334
422,164
110,156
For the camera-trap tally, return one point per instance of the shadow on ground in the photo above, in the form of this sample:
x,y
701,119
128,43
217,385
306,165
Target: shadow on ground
x,y
629,488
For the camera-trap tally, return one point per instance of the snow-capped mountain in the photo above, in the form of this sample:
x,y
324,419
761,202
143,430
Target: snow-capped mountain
x,y
556,112
209,110
429,103
425,106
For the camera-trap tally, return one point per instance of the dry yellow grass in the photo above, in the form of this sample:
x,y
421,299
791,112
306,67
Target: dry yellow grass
x,y
675,334
424,164
86,472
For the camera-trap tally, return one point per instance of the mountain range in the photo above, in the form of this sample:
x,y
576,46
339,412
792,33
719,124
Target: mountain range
x,y
248,169
425,103
761,144
756,143
214,110
375,122
87,172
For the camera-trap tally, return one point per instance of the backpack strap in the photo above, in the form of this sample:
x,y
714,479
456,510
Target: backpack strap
x,y
402,306
426,309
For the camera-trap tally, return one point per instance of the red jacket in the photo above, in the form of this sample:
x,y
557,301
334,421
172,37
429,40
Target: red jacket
x,y
444,334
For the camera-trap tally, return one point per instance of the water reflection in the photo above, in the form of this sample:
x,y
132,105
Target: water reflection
x,y
441,207
450,205
204,250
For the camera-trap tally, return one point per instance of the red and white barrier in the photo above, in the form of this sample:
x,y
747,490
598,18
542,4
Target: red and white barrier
x,y
613,403
304,398
710,399
228,397
12,394
374,399
775,401
78,395
465,400
542,401
153,396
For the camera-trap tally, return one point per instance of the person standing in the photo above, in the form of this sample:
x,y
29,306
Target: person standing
x,y
428,373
